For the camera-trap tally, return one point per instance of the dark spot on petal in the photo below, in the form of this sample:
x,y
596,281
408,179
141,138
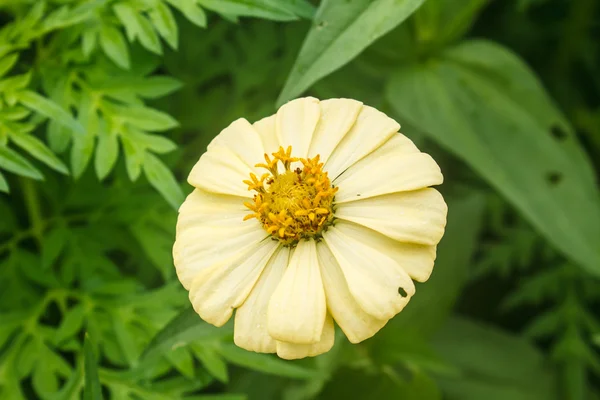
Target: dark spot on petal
x,y
402,292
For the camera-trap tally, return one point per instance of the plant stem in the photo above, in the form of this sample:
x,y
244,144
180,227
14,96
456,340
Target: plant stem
x,y
32,202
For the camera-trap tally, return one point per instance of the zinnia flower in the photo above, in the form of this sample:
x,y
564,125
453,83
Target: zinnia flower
x,y
319,213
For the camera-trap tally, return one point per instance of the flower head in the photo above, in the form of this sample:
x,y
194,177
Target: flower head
x,y
319,213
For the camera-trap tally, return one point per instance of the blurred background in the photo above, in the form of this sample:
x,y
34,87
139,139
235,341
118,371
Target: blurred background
x,y
105,105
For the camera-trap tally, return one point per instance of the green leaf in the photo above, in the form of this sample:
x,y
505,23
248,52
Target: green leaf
x,y
277,10
443,21
53,245
191,11
156,143
71,324
83,145
107,153
340,31
15,82
38,149
58,136
212,361
494,364
13,162
7,62
91,388
3,184
165,24
129,17
182,360
89,41
264,363
148,36
114,45
49,109
146,118
134,157
180,331
161,178
482,103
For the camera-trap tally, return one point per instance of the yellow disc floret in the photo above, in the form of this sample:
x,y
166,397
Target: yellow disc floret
x,y
294,203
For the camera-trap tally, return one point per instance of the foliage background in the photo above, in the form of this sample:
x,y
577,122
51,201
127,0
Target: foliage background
x,y
106,104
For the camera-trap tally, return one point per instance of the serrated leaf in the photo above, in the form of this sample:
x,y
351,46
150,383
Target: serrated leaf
x,y
38,149
264,363
89,41
182,360
71,323
53,245
180,331
13,162
191,11
165,24
482,103
129,18
3,184
161,178
14,113
146,118
340,31
126,341
15,82
544,325
91,388
7,62
59,137
107,153
83,145
212,361
134,157
49,109
158,144
148,36
277,10
150,88
114,46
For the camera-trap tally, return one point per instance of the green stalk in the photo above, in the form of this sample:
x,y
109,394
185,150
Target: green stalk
x,y
32,202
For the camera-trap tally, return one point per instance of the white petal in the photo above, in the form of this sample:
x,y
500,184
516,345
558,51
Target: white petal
x,y
293,351
219,170
416,217
356,324
377,283
388,169
200,207
371,129
297,308
210,228
268,134
416,259
201,247
296,123
251,318
217,290
243,140
337,117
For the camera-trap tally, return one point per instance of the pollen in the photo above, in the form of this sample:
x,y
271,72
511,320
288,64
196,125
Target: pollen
x,y
294,202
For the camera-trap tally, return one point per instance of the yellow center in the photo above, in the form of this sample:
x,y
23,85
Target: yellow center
x,y
291,204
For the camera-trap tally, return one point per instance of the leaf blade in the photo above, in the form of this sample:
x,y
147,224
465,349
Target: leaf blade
x,y
340,31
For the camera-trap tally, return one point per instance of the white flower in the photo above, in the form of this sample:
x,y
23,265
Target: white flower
x,y
316,214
